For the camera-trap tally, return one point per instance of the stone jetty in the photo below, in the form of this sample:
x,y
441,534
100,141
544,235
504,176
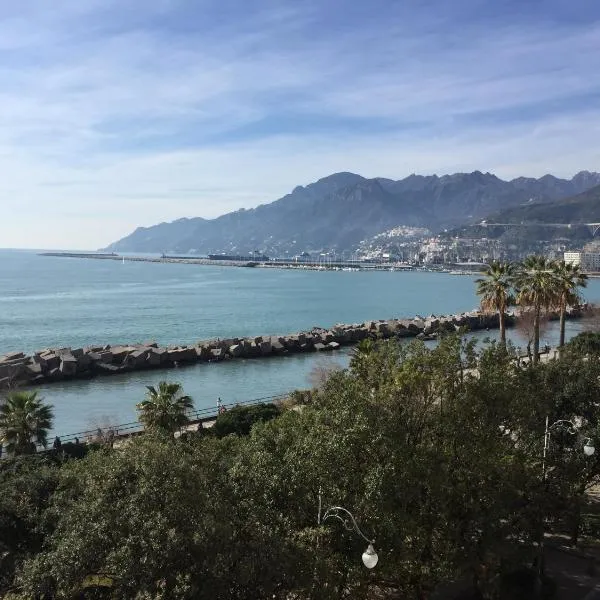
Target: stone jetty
x,y
59,364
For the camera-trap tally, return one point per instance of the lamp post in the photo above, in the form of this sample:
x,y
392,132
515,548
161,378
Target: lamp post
x,y
369,556
588,450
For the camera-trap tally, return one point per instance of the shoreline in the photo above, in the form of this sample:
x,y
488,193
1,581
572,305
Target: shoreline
x,y
348,265
340,265
62,364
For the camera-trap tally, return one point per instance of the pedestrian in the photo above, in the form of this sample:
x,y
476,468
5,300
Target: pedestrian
x,y
57,445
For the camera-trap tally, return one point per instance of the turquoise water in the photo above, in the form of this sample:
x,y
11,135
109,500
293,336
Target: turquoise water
x,y
47,301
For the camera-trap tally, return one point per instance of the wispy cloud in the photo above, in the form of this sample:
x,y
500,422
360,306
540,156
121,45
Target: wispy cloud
x,y
122,114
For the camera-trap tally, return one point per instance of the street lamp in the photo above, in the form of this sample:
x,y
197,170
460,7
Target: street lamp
x,y
588,450
369,556
570,428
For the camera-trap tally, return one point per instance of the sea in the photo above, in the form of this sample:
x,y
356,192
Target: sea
x,y
73,302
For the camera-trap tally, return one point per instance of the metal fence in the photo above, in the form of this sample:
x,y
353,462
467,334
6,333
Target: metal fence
x,y
133,427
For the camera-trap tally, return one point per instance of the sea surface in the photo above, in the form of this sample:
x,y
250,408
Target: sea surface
x,y
61,302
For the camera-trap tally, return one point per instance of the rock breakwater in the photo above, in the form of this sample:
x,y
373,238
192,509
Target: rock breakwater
x,y
59,364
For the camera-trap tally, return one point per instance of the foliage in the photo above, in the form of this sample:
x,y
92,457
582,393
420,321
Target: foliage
x,y
164,409
162,520
496,291
586,342
24,422
437,452
240,419
537,288
26,485
569,279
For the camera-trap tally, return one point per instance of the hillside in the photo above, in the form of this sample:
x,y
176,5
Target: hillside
x,y
339,211
579,209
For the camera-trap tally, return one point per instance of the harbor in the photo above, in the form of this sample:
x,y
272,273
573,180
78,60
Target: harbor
x,y
260,261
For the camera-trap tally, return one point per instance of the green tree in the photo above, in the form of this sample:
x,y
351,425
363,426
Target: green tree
x,y
162,520
538,289
586,342
165,408
495,289
569,280
24,422
240,419
419,459
26,486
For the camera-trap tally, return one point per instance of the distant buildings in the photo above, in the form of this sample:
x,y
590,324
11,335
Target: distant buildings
x,y
588,258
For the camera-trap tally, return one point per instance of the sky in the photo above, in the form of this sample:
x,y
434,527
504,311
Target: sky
x,y
123,113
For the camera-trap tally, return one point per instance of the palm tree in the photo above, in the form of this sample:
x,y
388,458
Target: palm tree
x,y
24,422
537,288
164,409
495,289
569,280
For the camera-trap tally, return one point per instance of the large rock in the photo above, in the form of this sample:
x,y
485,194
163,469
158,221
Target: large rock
x,y
266,348
49,361
237,350
12,356
183,355
154,358
12,370
137,358
120,353
217,354
105,356
68,365
321,347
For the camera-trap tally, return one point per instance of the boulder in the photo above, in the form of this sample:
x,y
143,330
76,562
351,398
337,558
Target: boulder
x,y
120,353
55,374
203,352
319,347
431,326
105,356
237,350
33,370
154,357
49,361
333,345
68,365
266,348
83,362
137,358
11,356
216,354
277,347
254,350
12,370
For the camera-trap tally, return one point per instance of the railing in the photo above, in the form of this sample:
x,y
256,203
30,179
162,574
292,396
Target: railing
x,y
134,427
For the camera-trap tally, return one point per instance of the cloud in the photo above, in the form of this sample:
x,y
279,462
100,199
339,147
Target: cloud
x,y
123,114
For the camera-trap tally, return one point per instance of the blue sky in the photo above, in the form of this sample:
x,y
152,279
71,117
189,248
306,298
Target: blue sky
x,y
119,113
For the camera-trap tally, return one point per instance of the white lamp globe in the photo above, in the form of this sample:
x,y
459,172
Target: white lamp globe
x,y
370,557
589,448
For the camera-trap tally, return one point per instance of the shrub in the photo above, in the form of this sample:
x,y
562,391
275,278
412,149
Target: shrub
x,y
241,419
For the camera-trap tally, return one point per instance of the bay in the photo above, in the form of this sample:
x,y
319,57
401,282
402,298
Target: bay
x,y
50,302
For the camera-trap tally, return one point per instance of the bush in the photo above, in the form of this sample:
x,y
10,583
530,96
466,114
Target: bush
x,y
586,342
241,419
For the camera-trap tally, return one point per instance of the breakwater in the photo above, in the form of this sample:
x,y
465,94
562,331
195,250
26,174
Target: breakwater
x,y
59,364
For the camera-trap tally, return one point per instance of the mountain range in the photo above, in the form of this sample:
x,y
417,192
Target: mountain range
x,y
581,208
339,211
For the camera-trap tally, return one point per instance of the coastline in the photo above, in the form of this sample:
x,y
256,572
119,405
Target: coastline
x,y
313,265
